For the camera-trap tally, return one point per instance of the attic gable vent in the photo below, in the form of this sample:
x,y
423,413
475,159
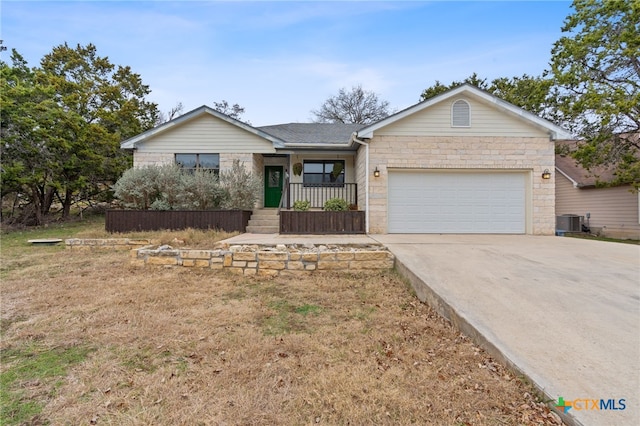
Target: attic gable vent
x,y
460,114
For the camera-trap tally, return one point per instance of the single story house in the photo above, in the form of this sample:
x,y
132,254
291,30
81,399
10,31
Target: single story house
x,y
464,161
611,211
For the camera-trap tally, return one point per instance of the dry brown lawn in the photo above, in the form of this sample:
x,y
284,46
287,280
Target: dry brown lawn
x,y
186,346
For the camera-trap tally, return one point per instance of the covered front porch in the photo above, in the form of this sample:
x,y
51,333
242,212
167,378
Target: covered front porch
x,y
314,178
311,177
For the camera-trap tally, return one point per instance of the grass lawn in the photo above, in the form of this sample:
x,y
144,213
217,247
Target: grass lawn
x,y
88,339
594,237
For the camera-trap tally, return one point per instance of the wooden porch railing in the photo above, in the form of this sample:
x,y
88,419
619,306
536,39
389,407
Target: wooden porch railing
x,y
285,193
318,194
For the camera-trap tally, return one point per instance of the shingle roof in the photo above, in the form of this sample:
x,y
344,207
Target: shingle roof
x,y
312,133
582,177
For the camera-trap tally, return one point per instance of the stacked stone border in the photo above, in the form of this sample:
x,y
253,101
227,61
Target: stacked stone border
x,y
105,243
271,260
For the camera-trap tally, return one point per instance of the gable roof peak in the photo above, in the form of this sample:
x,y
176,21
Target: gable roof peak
x,y
555,131
195,113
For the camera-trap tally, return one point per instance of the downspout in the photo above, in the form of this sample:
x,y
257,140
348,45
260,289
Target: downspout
x,y
354,138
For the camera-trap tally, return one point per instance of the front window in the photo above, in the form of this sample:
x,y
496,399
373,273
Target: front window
x,y
191,162
323,173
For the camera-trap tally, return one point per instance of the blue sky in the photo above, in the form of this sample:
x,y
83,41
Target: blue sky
x,y
280,60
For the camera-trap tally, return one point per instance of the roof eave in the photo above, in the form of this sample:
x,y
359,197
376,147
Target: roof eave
x,y
320,146
573,181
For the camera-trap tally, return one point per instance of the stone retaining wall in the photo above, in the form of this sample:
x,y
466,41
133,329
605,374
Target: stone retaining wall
x,y
265,260
105,243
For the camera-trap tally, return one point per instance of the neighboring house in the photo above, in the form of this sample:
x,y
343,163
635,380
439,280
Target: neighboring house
x,y
611,211
462,162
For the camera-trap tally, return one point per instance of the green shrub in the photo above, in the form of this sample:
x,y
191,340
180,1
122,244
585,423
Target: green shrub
x,y
336,205
170,181
168,187
301,205
137,188
241,186
202,191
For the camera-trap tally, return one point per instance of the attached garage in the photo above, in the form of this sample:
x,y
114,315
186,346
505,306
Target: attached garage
x,y
449,202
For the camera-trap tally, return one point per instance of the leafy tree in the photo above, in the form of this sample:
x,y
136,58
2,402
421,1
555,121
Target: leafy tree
x,y
233,111
596,67
27,112
534,94
63,123
439,88
355,106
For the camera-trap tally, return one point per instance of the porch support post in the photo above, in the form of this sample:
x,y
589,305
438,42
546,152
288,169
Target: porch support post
x,y
354,138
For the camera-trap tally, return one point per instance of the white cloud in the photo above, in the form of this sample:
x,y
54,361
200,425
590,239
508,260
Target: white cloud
x,y
280,60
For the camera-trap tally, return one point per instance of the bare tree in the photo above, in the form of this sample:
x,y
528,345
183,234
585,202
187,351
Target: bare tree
x,y
233,111
174,112
355,106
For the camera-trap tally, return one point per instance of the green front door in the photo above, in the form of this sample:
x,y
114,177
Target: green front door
x,y
273,178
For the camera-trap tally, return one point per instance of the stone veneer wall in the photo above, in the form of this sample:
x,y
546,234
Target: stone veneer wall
x,y
105,243
263,260
141,159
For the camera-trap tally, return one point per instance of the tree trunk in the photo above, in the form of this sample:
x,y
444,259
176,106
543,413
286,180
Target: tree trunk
x,y
66,203
37,205
47,200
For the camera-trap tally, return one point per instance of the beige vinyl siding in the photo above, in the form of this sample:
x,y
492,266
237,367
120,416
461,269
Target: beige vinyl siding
x,y
206,134
361,170
485,121
614,211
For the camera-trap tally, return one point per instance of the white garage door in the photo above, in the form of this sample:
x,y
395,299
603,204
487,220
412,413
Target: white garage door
x,y
456,202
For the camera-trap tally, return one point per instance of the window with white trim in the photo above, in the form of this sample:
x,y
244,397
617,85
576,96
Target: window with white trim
x,y
191,162
460,114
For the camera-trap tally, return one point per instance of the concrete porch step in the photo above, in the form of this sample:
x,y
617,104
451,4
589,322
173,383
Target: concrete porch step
x,y
265,212
264,221
263,229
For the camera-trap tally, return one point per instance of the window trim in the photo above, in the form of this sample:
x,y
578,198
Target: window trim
x,y
468,113
324,184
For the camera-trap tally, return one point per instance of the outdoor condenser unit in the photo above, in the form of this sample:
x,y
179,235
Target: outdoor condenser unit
x,y
569,223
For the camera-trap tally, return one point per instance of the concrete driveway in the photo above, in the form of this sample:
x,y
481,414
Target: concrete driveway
x,y
563,311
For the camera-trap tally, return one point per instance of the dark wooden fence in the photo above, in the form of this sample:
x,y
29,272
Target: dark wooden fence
x,y
314,222
154,220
